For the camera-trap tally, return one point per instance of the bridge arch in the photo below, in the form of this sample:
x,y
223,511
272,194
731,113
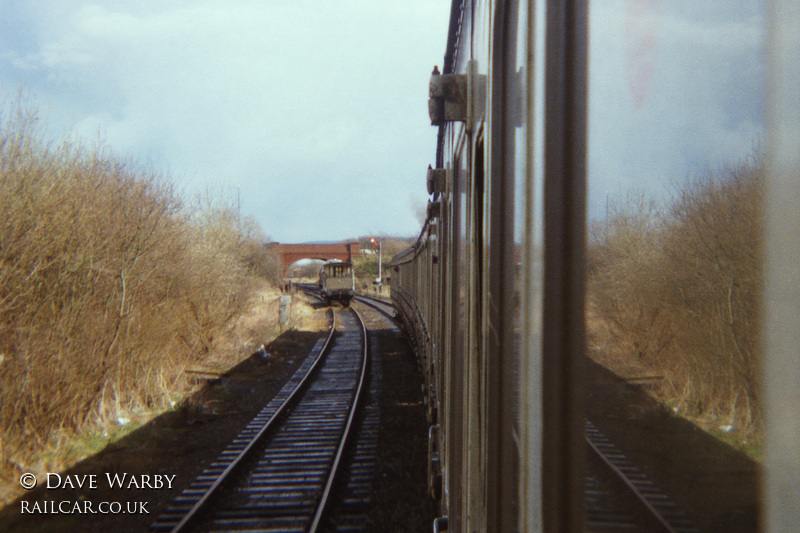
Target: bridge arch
x,y
290,253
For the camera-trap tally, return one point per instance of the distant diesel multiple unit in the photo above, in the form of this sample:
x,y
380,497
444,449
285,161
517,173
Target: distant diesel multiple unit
x,y
337,281
492,292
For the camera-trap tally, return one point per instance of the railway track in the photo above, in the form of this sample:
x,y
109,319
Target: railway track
x,y
380,305
645,507
279,473
620,497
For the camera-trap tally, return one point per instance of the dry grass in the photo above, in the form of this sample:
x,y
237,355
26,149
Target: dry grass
x,y
303,316
676,289
109,288
256,324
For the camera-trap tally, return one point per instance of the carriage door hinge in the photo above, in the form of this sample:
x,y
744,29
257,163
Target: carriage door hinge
x,y
436,180
434,209
456,97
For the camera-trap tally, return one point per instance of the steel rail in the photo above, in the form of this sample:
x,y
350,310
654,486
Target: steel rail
x,y
200,505
665,525
378,305
357,399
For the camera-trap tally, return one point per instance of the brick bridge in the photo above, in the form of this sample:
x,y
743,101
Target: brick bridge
x,y
289,253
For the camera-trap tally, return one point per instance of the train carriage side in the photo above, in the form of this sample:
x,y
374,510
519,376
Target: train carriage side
x,y
492,293
458,288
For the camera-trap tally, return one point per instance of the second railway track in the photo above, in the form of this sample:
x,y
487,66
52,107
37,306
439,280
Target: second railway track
x,y
642,507
278,473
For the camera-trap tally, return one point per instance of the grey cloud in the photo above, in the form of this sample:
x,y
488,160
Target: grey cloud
x,y
235,92
700,76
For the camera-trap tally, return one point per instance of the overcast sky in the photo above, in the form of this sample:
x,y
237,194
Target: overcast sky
x,y
304,105
676,90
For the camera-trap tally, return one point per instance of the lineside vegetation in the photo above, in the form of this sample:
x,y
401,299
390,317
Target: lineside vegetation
x,y
110,286
365,265
676,287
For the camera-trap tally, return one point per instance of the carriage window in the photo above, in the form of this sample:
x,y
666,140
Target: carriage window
x,y
676,97
508,356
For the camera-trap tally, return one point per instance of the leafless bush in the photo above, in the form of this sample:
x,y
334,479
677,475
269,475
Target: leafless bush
x,y
108,288
226,249
257,257
714,250
626,255
679,287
